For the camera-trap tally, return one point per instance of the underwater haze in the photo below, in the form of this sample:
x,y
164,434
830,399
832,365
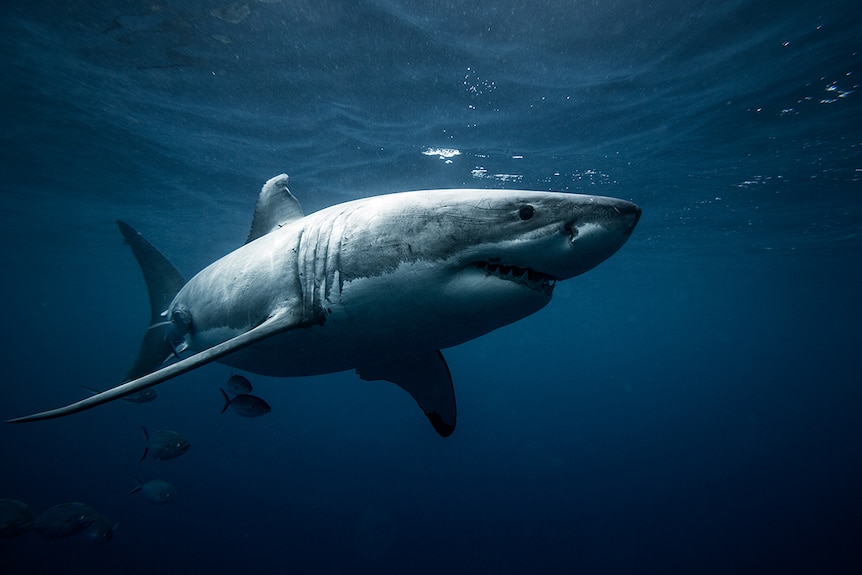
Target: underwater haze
x,y
692,405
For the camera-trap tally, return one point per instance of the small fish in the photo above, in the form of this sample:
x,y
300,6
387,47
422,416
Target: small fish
x,y
164,444
100,530
237,385
15,517
64,520
246,405
143,396
155,491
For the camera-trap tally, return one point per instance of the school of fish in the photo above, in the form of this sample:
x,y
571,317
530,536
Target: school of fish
x,y
81,520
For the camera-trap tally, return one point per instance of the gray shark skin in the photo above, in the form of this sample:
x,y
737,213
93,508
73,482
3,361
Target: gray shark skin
x,y
379,285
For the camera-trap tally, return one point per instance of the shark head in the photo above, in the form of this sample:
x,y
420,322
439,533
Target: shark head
x,y
528,238
487,258
534,239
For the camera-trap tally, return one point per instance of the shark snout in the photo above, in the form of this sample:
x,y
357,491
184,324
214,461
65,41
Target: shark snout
x,y
596,230
611,217
629,214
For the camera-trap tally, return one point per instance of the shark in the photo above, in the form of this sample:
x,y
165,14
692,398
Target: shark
x,y
379,285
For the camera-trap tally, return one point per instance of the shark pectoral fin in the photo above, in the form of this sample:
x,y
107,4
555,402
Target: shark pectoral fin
x,y
427,379
279,322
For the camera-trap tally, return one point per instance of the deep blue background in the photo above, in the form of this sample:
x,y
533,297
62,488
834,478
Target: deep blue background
x,y
690,406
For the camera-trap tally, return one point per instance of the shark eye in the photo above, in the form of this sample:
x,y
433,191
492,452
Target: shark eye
x,y
526,212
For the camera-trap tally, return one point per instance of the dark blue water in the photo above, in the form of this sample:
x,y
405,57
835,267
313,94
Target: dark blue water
x,y
690,406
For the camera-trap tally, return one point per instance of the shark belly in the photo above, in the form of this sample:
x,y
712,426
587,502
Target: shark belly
x,y
415,309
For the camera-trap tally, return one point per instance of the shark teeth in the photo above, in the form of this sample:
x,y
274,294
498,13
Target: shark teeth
x,y
534,280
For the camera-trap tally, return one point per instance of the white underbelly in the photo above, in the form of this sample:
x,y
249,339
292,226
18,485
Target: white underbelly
x,y
413,309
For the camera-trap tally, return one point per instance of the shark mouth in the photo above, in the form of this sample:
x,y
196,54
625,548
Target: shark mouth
x,y
532,279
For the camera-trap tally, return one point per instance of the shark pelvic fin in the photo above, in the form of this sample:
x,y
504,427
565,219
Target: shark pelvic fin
x,y
427,379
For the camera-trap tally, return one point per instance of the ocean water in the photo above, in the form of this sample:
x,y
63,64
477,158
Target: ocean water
x,y
692,405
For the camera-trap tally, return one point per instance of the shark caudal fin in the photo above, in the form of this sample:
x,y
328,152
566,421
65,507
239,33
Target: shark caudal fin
x,y
163,282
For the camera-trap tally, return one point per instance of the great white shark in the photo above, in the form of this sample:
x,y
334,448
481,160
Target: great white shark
x,y
379,285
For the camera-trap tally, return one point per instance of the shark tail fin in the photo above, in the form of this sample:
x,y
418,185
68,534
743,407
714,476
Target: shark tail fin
x,y
163,282
227,401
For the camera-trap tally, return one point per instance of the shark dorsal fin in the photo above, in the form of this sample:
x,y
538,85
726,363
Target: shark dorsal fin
x,y
275,207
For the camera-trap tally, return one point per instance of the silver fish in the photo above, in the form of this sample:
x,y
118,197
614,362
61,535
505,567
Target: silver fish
x,y
237,385
155,491
100,530
64,520
15,517
164,444
246,405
